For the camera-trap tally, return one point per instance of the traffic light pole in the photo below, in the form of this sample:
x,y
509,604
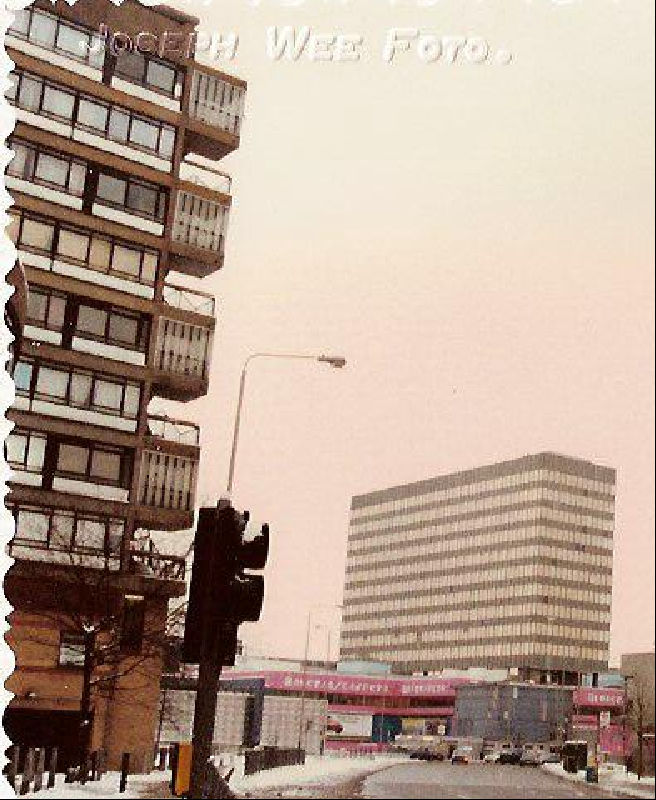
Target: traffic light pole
x,y
209,671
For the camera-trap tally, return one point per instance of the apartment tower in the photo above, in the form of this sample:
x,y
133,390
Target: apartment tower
x,y
506,566
115,189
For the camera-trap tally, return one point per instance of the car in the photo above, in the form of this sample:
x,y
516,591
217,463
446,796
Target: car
x,y
549,758
492,757
426,755
512,755
530,758
462,755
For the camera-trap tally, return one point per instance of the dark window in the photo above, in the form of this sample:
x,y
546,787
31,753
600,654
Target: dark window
x,y
132,628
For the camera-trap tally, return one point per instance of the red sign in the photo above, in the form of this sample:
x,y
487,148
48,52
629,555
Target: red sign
x,y
599,698
336,683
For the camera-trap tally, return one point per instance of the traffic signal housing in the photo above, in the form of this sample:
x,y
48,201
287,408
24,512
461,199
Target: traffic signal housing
x,y
223,594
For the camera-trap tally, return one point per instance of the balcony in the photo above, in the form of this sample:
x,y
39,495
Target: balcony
x,y
216,112
199,229
173,430
184,299
183,353
167,485
150,563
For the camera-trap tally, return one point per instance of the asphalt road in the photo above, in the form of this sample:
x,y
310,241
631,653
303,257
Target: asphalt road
x,y
443,781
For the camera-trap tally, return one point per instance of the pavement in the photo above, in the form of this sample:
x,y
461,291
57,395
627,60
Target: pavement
x,y
444,781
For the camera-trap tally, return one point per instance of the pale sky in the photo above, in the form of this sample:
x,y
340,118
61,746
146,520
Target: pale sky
x,y
476,240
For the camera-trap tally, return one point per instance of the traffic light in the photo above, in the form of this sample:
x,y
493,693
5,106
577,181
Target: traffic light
x,y
223,594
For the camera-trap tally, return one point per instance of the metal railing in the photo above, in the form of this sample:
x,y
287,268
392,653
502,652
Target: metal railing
x,y
173,430
216,102
150,563
202,174
189,299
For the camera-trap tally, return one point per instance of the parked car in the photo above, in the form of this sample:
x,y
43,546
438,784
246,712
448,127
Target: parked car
x,y
549,758
492,757
530,758
512,755
426,755
462,755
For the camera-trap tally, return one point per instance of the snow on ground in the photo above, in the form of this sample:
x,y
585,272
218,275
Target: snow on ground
x,y
107,786
316,770
323,770
614,778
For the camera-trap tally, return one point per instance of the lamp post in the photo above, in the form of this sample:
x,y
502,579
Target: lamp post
x,y
337,362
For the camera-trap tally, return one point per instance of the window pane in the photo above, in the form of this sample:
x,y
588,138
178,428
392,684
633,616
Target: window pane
x,y
51,169
108,395
37,306
43,29
91,320
36,452
57,102
72,458
100,253
142,198
72,41
81,390
77,178
90,533
56,312
93,115
130,65
118,126
106,466
131,401
71,650
127,260
116,529
52,382
22,376
13,228
161,76
21,21
166,142
61,531
149,267
30,93
73,245
37,235
16,448
144,134
33,526
123,329
111,189
20,164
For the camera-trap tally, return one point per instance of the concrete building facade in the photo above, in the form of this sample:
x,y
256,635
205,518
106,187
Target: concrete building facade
x,y
503,566
115,189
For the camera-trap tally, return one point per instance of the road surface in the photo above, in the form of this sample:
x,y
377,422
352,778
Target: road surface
x,y
444,781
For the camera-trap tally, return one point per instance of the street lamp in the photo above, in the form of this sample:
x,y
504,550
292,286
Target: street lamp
x,y
336,362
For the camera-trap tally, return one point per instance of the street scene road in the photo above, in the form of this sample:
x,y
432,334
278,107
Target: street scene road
x,y
443,781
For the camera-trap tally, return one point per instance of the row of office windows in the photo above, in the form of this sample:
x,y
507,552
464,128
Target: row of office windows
x,y
72,387
453,521
73,176
73,316
98,252
521,481
496,593
539,566
52,457
86,46
69,531
448,654
427,542
55,101
377,587
476,613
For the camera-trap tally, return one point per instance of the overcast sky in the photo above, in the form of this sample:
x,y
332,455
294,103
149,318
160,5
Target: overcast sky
x,y
476,239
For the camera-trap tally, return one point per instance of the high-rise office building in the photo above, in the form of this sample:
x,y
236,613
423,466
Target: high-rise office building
x,y
503,566
115,189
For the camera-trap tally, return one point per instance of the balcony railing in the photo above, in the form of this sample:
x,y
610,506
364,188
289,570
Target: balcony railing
x,y
217,102
200,222
150,563
183,348
173,430
203,174
189,299
81,557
